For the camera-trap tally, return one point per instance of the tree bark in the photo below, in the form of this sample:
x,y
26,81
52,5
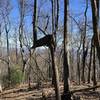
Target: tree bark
x,y
84,43
8,57
55,73
90,62
85,89
78,66
49,41
66,94
22,15
35,22
94,68
95,19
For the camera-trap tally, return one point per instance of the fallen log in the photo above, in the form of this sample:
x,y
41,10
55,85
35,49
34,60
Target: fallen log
x,y
85,89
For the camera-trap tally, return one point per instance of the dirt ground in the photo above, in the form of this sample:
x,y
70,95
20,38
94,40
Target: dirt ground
x,y
23,93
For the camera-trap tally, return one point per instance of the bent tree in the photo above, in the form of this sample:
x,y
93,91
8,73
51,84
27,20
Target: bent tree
x,y
49,41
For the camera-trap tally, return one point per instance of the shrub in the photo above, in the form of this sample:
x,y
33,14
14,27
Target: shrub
x,y
15,77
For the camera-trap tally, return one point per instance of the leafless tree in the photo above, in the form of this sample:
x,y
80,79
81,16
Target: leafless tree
x,y
7,26
90,62
85,48
49,41
66,94
21,31
95,18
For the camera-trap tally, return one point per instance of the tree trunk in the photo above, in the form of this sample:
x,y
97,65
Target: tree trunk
x,y
78,66
95,19
94,68
84,44
16,52
35,22
8,60
55,74
49,66
21,4
71,60
29,70
49,41
66,95
16,44
89,67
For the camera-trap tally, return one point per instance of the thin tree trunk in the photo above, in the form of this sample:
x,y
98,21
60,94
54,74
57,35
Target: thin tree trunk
x,y
84,43
16,49
21,3
55,73
16,53
8,51
49,66
78,66
53,28
7,30
30,66
71,60
78,60
90,62
94,68
55,20
8,59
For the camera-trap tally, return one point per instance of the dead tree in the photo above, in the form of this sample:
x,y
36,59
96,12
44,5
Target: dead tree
x,y
49,41
45,41
85,89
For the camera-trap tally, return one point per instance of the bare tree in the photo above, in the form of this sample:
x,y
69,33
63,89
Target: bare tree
x,y
66,94
95,18
16,45
78,62
21,31
7,27
35,23
85,48
94,67
90,62
49,41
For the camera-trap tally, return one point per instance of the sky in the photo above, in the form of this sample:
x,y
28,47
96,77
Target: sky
x,y
15,11
76,7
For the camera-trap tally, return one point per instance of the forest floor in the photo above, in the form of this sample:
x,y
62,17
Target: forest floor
x,y
23,93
